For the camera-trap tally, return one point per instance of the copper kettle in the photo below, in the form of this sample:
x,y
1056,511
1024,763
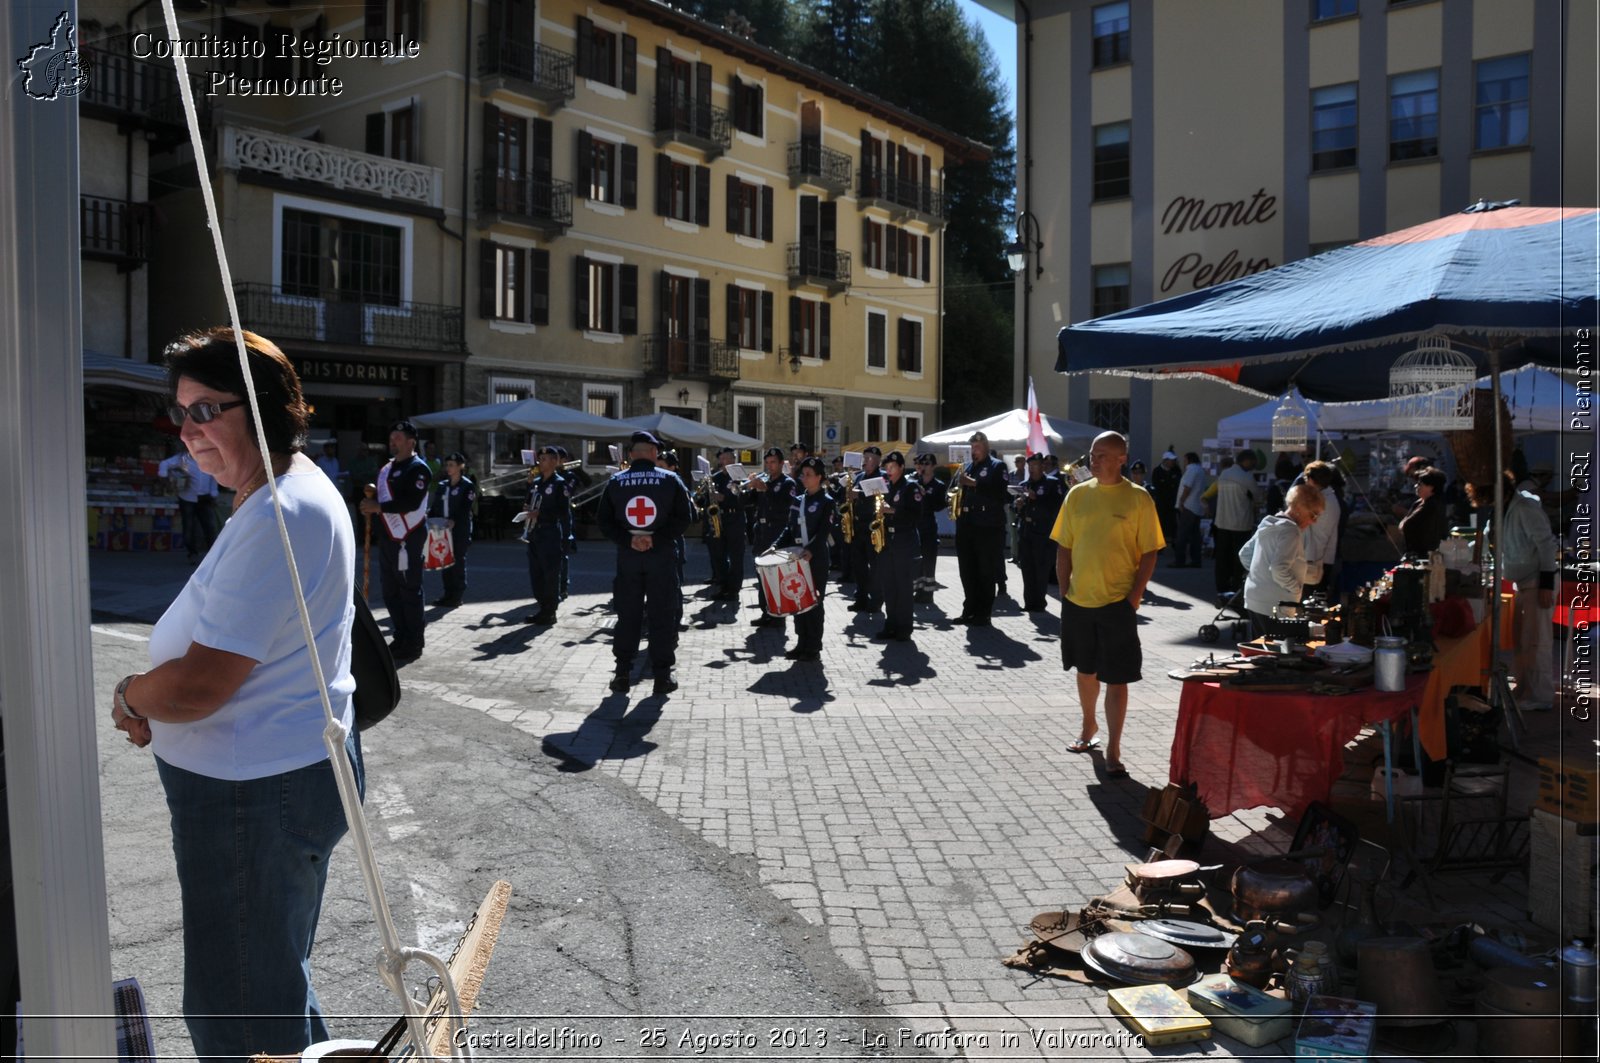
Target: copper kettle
x,y
1254,956
1277,887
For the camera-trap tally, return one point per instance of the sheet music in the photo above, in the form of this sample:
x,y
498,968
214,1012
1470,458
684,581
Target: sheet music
x,y
853,459
874,485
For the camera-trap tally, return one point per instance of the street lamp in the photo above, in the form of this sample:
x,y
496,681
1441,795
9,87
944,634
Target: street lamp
x,y
1028,240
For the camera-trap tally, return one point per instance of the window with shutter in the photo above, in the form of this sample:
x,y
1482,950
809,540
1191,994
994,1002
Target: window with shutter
x,y
877,340
702,195
766,322
539,287
927,246
630,176
628,300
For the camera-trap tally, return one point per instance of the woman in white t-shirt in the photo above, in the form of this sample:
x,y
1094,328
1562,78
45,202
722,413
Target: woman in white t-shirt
x,y
232,711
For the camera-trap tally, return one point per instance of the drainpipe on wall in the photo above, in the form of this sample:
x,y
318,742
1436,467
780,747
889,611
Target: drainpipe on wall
x,y
938,392
466,182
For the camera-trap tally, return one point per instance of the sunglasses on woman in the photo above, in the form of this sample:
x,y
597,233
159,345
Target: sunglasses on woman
x,y
200,412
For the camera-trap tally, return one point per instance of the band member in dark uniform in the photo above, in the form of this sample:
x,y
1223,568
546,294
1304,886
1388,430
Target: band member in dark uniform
x,y
549,518
1037,505
897,564
403,504
668,459
810,521
980,532
934,499
456,501
727,552
643,509
839,489
774,494
863,559
569,543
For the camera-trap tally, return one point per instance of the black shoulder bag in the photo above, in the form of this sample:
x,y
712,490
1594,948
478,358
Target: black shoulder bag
x,y
372,666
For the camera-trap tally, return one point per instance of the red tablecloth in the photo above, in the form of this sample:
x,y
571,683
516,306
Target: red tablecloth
x,y
1281,750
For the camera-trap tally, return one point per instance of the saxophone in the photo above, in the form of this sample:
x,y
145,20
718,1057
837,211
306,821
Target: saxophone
x,y
880,527
956,472
713,512
847,519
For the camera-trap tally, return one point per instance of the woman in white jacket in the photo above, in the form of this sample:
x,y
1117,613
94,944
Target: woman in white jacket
x,y
1274,560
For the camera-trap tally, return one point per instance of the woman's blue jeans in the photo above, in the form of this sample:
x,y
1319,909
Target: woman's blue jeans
x,y
252,863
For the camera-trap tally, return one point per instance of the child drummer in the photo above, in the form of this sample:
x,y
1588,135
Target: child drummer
x,y
810,521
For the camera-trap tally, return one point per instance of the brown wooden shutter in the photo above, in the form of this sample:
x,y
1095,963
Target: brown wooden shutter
x,y
628,283
663,303
375,124
663,185
766,322
702,310
630,63
794,326
732,184
543,150
630,175
927,246
766,213
824,319
539,286
489,159
580,292
408,18
867,258
891,249
731,317
374,22
702,195
585,164
585,56
664,99
486,279
828,231
702,99
869,173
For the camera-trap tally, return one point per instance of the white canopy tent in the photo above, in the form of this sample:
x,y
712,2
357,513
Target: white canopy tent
x,y
1537,399
527,415
675,429
1008,432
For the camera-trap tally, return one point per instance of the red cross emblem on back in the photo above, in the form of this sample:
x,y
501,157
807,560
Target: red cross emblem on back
x,y
640,511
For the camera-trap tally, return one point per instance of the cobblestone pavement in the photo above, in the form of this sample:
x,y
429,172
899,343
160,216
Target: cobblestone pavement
x,y
915,799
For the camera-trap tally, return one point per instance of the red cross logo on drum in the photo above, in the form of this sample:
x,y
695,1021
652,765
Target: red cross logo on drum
x,y
794,587
640,511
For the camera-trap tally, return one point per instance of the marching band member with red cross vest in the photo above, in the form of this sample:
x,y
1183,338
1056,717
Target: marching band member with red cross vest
x,y
402,503
643,510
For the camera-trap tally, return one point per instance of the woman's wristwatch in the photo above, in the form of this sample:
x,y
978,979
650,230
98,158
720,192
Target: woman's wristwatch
x,y
121,699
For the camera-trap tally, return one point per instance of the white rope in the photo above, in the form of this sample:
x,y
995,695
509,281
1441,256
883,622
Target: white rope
x,y
394,957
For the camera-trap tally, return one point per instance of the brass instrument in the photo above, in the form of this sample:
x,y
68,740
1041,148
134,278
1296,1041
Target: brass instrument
x,y
880,526
847,522
712,511
956,472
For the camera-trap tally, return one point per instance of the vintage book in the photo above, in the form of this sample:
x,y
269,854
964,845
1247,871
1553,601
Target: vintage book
x,y
1336,1028
1241,1011
1159,1015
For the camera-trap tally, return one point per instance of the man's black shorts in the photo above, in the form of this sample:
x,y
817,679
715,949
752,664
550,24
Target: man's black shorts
x,y
1101,642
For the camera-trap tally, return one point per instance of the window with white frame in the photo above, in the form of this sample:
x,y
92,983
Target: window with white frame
x,y
749,418
892,426
600,400
808,423
908,345
506,448
607,56
749,322
605,296
877,339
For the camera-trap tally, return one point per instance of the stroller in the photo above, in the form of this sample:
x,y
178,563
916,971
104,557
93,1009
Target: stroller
x,y
1232,611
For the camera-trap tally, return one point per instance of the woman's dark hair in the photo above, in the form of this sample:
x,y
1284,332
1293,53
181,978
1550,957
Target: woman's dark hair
x,y
211,358
1434,478
1482,494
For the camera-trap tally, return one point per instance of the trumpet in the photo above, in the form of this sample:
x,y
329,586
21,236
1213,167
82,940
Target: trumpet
x,y
956,472
1078,471
880,526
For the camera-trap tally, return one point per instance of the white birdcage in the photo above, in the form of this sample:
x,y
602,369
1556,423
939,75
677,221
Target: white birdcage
x,y
1431,388
1289,424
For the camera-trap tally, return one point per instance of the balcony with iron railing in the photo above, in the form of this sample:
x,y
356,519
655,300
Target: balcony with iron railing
x,y
811,163
901,196
815,265
138,94
545,205
328,166
526,68
700,358
683,120
114,230
348,320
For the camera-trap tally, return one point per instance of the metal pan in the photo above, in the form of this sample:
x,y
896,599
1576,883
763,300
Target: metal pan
x,y
1185,932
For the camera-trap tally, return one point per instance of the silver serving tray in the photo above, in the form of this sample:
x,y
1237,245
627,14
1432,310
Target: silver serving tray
x,y
1139,959
1185,932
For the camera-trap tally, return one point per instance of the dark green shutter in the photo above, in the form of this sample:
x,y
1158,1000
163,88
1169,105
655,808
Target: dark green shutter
x,y
630,176
702,195
580,292
486,283
824,321
630,63
766,322
539,287
731,316
585,164
663,185
628,282
766,213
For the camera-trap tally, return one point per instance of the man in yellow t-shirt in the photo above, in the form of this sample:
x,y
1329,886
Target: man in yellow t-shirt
x,y
1107,536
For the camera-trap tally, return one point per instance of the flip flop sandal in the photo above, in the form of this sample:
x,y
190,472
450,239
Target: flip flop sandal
x,y
1083,745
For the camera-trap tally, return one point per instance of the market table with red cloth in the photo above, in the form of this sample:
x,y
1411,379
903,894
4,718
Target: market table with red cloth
x,y
1284,750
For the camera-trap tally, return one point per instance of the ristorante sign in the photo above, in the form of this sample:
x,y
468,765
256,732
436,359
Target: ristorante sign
x,y
1187,214
321,369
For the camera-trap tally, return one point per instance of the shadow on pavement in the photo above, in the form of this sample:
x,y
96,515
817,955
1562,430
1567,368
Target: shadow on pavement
x,y
905,661
994,649
803,682
515,640
610,732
